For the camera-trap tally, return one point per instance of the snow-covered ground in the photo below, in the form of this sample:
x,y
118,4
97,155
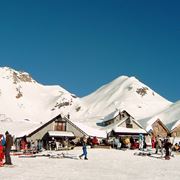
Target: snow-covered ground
x,y
106,164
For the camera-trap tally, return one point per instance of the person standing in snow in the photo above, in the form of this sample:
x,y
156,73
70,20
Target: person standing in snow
x,y
84,148
132,142
8,145
158,144
2,143
141,142
167,146
153,141
148,141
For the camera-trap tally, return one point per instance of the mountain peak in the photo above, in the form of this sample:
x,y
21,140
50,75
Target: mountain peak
x,y
138,98
131,83
15,76
22,98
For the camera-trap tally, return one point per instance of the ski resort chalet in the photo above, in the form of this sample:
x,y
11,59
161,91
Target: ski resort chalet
x,y
158,128
121,123
60,128
155,127
175,130
172,129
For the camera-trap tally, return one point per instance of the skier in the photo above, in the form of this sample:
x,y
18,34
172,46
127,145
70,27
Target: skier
x,y
84,148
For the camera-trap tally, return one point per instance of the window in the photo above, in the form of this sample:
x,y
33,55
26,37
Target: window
x,y
60,126
129,123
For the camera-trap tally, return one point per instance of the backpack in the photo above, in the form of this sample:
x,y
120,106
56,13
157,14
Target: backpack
x,y
3,141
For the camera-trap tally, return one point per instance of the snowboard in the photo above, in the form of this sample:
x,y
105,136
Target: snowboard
x,y
71,156
56,156
64,155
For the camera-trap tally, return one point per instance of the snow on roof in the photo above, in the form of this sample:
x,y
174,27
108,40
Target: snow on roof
x,y
18,128
90,131
175,124
28,131
61,133
147,123
128,130
111,115
110,127
170,117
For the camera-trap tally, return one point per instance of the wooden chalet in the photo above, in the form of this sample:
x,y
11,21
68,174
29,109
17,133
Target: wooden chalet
x,y
158,128
175,131
121,123
57,127
114,118
154,127
128,127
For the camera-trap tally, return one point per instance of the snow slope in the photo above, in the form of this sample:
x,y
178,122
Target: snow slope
x,y
25,99
124,93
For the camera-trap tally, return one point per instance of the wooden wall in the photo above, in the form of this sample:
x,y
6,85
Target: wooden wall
x,y
176,132
159,129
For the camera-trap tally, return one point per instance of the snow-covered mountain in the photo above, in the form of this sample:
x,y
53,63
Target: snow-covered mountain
x,y
22,99
124,93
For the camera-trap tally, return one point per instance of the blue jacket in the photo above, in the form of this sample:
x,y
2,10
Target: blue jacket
x,y
3,141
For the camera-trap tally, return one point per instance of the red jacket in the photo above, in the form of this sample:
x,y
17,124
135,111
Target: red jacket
x,y
1,153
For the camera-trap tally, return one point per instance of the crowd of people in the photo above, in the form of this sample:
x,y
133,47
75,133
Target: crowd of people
x,y
160,144
141,142
6,142
38,145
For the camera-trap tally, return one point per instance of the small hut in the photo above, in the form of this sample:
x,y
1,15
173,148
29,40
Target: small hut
x,y
175,129
154,126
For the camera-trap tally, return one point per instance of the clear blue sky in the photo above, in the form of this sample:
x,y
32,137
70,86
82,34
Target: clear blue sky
x,y
81,45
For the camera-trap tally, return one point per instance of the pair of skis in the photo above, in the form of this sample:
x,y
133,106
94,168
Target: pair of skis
x,y
64,155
